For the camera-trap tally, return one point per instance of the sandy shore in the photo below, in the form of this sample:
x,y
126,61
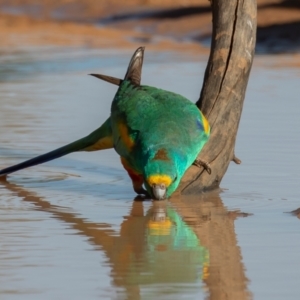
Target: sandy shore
x,y
22,32
177,25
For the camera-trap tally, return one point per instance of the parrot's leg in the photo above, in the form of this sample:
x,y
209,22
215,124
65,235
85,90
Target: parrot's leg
x,y
136,178
204,164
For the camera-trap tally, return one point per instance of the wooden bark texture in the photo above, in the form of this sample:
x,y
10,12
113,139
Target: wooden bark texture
x,y
223,91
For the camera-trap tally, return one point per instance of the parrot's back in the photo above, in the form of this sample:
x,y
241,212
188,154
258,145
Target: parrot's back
x,y
155,120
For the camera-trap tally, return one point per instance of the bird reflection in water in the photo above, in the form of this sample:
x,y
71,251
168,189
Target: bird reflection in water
x,y
159,251
157,248
170,241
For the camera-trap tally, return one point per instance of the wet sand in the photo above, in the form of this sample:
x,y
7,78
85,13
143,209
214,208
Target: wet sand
x,y
71,227
157,24
23,33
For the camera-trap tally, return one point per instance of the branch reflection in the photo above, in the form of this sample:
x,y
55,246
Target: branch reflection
x,y
183,246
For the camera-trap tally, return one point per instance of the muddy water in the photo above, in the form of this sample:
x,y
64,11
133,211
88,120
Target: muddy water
x,y
70,229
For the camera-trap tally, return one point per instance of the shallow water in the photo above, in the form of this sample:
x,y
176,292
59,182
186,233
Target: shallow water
x,y
71,228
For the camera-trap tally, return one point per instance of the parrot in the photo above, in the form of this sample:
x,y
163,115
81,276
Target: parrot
x,y
158,134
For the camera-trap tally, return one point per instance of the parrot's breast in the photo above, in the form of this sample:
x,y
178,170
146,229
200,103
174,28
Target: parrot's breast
x,y
157,132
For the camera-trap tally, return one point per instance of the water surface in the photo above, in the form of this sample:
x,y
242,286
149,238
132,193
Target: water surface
x,y
72,229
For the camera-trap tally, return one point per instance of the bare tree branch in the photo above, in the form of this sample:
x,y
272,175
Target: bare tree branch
x,y
223,91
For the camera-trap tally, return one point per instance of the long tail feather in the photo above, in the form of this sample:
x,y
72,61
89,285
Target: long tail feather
x,y
109,79
75,146
134,70
99,139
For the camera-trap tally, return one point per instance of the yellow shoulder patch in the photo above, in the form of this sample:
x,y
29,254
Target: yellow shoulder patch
x,y
205,124
104,143
124,135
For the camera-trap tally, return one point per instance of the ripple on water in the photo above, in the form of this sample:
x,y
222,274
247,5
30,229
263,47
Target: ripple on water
x,y
70,228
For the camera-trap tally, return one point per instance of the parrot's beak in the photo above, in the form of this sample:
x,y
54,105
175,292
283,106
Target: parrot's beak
x,y
159,191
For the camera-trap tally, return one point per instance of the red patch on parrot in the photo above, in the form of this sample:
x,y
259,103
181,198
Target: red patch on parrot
x,y
137,179
161,154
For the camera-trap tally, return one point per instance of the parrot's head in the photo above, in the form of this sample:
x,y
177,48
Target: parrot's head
x,y
161,176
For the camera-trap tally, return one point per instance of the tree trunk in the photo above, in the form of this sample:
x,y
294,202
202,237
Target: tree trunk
x,y
223,91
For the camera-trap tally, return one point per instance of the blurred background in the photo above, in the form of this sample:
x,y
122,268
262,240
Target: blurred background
x,y
153,22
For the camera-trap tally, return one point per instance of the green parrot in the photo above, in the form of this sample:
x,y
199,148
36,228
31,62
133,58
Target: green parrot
x,y
158,134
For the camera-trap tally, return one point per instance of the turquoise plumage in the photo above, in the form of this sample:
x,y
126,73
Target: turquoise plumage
x,y
158,134
167,133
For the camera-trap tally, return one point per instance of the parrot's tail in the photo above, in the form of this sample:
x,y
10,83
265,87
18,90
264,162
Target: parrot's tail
x,y
99,139
134,70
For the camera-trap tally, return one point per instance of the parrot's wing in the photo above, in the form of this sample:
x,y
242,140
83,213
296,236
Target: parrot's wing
x,y
99,139
134,70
